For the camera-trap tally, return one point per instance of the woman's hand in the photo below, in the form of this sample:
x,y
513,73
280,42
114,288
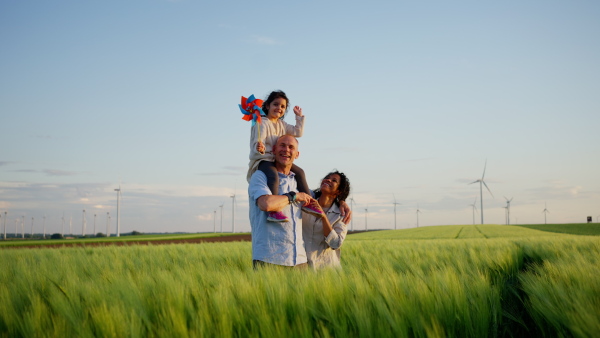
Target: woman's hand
x,y
260,147
298,111
316,205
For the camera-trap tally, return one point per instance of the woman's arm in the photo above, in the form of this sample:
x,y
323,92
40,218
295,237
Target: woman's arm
x,y
337,236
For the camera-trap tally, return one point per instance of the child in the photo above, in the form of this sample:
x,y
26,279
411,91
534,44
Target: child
x,y
261,155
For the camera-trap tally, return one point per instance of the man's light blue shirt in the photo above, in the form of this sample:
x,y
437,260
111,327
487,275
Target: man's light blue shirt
x,y
273,242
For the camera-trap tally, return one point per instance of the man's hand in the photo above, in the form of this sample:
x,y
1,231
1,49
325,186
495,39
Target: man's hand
x,y
346,212
304,198
260,147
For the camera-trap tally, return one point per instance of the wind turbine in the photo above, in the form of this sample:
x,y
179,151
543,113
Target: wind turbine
x,y
481,184
5,224
107,224
366,213
23,227
546,211
395,204
351,220
474,205
418,212
118,211
94,233
44,226
83,224
215,222
221,206
31,227
63,225
508,209
233,213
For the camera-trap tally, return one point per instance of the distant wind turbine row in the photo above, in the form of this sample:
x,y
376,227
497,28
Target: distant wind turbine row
x,y
83,222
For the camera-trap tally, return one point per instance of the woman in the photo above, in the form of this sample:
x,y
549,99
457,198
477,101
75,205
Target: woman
x,y
324,235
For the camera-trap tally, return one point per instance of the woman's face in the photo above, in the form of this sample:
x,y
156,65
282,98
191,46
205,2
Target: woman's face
x,y
331,184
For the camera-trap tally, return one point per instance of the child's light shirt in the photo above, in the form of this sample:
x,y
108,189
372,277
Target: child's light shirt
x,y
269,133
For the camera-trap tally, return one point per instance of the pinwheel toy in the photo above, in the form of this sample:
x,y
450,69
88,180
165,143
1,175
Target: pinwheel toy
x,y
250,107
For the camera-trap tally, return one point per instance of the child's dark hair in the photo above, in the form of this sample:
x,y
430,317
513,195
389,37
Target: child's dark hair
x,y
343,188
275,95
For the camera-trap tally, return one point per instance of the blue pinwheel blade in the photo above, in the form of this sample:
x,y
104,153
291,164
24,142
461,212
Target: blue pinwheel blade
x,y
243,111
250,98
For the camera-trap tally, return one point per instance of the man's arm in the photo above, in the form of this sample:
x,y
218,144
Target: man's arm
x,y
278,202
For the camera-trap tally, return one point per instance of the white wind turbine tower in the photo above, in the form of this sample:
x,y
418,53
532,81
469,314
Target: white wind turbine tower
x,y
481,184
508,209
232,213
474,205
94,233
118,210
32,227
546,211
351,210
418,212
83,224
23,227
366,213
5,224
395,204
215,221
63,225
221,206
107,224
44,226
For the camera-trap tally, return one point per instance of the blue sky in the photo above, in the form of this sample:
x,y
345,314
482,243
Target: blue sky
x,y
409,99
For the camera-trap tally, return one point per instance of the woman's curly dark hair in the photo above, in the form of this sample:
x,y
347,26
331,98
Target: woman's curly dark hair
x,y
343,188
275,95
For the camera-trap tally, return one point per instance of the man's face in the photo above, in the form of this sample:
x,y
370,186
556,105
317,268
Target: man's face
x,y
286,150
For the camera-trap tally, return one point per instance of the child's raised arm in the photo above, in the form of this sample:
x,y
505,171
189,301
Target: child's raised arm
x,y
298,129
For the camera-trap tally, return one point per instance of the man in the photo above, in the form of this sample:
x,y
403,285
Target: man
x,y
278,243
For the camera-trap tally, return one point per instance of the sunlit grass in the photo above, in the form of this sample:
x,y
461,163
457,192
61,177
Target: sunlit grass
x,y
449,287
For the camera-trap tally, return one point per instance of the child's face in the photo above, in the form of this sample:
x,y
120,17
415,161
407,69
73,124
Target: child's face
x,y
277,108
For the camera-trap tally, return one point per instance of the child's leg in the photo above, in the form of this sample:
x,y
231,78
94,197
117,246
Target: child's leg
x,y
300,179
270,171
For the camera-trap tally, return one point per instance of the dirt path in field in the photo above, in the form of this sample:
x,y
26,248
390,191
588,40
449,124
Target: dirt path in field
x,y
232,238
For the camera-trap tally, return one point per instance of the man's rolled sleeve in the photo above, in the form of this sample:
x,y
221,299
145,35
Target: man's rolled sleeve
x,y
258,186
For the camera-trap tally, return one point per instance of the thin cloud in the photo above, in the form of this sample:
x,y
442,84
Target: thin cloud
x,y
3,163
344,149
53,172
264,40
227,171
48,172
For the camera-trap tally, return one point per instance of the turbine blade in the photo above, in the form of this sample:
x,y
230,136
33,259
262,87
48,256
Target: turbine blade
x,y
484,166
488,189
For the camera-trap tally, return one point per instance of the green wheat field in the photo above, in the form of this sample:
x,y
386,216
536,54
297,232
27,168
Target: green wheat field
x,y
444,281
